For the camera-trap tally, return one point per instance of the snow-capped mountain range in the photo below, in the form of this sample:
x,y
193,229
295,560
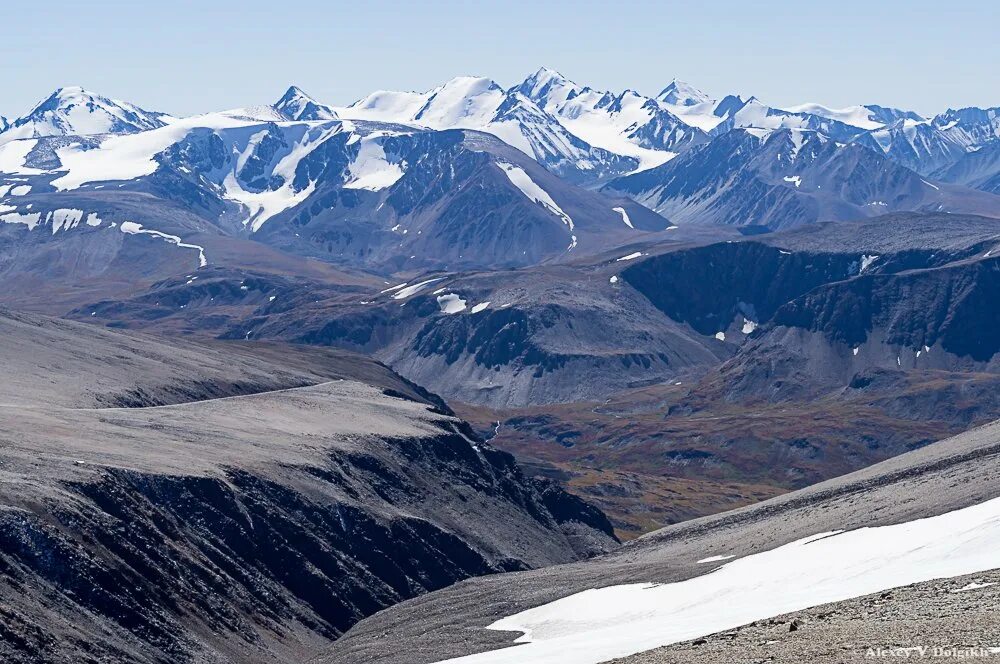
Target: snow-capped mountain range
x,y
511,115
473,173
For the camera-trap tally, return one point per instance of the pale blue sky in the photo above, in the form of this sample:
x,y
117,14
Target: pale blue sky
x,y
183,57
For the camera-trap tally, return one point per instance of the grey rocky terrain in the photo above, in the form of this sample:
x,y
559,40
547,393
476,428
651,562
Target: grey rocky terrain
x,y
164,501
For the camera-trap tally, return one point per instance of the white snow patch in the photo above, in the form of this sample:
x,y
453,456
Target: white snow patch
x,y
482,306
20,190
758,132
714,559
624,214
132,228
614,279
795,179
866,261
414,289
749,326
932,186
856,350
30,219
13,155
64,218
973,586
371,169
520,179
451,303
630,257
393,288
721,336
601,624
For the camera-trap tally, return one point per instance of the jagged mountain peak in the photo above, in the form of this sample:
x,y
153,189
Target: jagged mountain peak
x,y
679,93
298,105
549,89
545,75
730,104
887,114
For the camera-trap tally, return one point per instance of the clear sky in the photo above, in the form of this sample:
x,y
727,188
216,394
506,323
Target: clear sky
x,y
185,57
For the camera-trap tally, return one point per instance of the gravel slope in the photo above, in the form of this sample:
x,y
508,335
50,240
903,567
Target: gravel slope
x,y
947,475
944,616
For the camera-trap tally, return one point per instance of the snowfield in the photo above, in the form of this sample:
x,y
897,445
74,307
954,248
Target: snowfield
x,y
601,624
371,169
520,179
450,303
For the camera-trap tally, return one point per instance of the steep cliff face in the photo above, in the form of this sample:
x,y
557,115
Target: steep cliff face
x,y
709,287
878,333
949,306
254,527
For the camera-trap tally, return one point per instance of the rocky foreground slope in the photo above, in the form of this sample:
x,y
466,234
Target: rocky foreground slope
x,y
939,479
169,502
939,619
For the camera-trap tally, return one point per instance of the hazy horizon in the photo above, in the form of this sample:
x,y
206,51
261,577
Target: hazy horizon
x,y
183,58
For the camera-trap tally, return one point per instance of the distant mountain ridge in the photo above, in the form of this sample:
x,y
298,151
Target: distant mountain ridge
x,y
361,193
74,111
788,177
475,175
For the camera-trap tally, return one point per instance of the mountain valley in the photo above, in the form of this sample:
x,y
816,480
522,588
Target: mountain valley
x,y
410,378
